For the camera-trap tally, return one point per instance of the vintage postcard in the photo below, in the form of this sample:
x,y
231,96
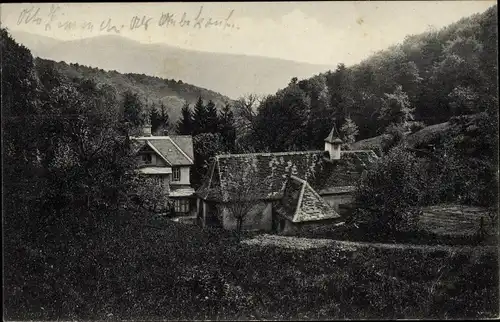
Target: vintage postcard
x,y
319,160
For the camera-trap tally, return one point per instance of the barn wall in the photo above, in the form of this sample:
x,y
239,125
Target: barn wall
x,y
259,218
339,199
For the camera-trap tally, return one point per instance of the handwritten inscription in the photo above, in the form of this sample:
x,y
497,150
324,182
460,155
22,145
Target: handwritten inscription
x,y
137,22
54,19
200,21
109,26
29,16
50,20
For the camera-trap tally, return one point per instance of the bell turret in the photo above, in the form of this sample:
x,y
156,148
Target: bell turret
x,y
332,144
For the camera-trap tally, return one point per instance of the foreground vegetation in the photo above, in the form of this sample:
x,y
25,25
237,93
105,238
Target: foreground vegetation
x,y
171,271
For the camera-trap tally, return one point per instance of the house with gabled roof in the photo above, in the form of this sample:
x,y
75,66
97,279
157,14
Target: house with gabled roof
x,y
296,190
167,159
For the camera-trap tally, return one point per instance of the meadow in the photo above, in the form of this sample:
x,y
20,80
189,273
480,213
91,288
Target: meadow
x,y
159,269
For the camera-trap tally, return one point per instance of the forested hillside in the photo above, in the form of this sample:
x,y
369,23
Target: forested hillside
x,y
425,80
229,74
150,90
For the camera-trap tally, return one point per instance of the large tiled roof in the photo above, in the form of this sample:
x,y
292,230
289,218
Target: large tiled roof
x,y
344,172
272,170
301,203
176,149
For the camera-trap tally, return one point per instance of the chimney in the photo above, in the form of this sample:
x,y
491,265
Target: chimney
x,y
146,130
332,144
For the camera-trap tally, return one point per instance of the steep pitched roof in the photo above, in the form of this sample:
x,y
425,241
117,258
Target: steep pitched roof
x,y
301,203
345,172
274,169
185,143
176,150
333,137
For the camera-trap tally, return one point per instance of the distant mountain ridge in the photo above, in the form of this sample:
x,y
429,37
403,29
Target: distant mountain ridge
x,y
229,74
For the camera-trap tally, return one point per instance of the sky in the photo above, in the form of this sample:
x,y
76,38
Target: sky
x,y
322,32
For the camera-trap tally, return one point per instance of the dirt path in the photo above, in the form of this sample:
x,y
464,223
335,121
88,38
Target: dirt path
x,y
310,243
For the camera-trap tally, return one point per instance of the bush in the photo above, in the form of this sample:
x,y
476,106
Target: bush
x,y
389,196
395,134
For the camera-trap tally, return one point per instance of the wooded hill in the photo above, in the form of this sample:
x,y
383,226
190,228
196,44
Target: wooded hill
x,y
425,80
151,90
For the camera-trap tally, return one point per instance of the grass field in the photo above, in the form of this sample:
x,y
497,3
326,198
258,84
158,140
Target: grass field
x,y
426,135
443,224
162,270
455,220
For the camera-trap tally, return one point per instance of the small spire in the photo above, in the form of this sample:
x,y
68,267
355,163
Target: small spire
x,y
333,137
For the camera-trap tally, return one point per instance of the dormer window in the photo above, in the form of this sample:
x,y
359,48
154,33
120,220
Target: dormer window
x,y
176,174
146,158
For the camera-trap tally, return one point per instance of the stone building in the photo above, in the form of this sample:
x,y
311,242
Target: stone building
x,y
293,190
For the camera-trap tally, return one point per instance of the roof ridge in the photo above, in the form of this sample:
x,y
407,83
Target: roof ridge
x,y
297,178
299,202
220,177
210,180
268,154
347,151
178,148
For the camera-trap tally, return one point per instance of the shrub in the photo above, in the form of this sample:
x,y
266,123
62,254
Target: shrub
x,y
395,134
389,196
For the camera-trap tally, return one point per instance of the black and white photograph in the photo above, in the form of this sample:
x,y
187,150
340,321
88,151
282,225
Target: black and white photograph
x,y
223,161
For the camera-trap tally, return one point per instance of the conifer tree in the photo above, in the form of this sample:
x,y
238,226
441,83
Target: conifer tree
x,y
162,122
185,124
227,127
199,117
212,121
154,118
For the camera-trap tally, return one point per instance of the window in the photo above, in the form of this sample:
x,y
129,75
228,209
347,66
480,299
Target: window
x,y
146,158
181,205
176,174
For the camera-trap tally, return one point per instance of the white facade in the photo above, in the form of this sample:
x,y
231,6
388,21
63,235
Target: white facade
x,y
333,149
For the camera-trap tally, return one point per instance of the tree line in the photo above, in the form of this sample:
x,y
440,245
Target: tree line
x,y
213,132
425,80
